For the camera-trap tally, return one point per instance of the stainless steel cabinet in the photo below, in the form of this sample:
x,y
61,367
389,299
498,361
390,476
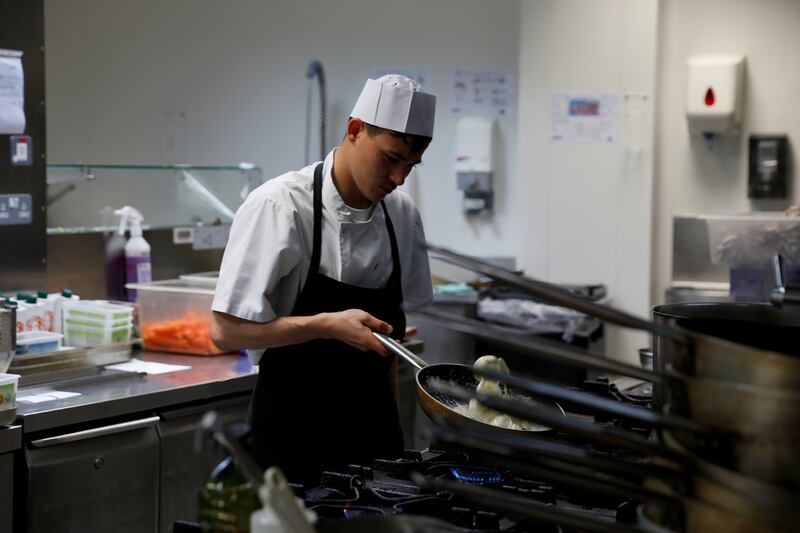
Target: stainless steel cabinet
x,y
10,440
183,472
101,479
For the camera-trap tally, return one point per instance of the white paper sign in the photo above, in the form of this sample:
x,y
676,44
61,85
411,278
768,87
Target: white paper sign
x,y
12,93
482,92
584,118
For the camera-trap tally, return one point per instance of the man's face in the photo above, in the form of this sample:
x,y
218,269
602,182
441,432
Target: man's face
x,y
382,163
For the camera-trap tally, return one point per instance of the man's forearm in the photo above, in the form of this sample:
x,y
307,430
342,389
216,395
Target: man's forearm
x,y
232,333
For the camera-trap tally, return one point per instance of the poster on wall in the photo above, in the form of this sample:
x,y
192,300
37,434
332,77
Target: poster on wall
x,y
482,92
12,93
584,118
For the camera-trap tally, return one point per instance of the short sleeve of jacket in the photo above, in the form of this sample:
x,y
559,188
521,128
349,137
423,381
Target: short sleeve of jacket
x,y
417,289
263,248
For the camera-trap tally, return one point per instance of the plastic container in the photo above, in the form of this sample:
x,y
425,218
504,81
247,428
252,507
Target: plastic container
x,y
36,319
96,322
58,299
96,311
31,342
747,243
48,310
752,240
8,391
80,334
174,316
203,278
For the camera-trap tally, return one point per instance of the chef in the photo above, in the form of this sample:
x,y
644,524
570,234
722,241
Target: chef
x,y
317,260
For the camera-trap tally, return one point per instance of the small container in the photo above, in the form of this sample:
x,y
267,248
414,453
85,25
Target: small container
x,y
98,311
8,391
174,316
202,278
646,358
81,334
36,319
31,342
751,240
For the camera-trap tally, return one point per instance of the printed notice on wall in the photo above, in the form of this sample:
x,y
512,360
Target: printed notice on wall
x,y
584,118
12,93
482,92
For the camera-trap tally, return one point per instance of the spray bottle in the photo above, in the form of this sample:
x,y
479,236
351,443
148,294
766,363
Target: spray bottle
x,y
115,259
137,250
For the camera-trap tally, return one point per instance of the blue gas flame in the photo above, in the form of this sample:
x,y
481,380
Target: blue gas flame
x,y
476,477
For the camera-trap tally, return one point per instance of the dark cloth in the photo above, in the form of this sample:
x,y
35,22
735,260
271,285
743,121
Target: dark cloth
x,y
324,404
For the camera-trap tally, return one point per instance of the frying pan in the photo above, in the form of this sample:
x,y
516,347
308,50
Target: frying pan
x,y
439,405
694,482
709,354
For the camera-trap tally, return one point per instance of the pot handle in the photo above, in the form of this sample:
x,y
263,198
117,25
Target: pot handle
x,y
400,350
554,419
556,463
539,347
522,507
595,403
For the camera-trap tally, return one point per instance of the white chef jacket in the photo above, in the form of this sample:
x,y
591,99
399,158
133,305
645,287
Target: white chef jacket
x,y
268,255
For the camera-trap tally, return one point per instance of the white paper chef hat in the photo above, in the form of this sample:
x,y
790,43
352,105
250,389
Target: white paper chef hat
x,y
395,102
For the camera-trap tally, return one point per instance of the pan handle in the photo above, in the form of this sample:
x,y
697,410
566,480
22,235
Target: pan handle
x,y
529,450
522,507
554,294
400,350
549,417
595,403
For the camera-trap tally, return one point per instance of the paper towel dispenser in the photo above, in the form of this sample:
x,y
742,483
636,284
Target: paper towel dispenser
x,y
714,95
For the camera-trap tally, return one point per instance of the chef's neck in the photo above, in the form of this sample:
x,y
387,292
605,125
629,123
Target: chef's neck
x,y
345,184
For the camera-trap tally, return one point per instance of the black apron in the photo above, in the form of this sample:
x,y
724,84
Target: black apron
x,y
324,404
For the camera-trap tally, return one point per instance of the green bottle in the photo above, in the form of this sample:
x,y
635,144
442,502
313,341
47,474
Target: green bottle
x,y
227,500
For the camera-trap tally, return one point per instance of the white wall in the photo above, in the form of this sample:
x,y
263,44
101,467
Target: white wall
x,y
586,208
689,178
211,82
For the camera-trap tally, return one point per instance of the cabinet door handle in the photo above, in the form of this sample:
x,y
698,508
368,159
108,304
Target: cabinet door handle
x,y
96,432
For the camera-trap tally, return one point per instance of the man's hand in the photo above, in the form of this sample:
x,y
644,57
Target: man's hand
x,y
355,327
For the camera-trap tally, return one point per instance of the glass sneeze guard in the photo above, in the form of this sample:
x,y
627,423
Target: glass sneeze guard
x,y
82,197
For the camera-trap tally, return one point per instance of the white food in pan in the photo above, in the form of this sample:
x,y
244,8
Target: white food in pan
x,y
489,386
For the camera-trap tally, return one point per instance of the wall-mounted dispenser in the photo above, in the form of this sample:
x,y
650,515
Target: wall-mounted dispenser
x,y
474,163
714,96
768,170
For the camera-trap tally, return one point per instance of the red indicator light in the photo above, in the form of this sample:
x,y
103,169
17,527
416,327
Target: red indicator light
x,y
710,97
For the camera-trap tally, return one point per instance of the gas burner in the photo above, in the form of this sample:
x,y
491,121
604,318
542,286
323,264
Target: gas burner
x,y
386,489
476,476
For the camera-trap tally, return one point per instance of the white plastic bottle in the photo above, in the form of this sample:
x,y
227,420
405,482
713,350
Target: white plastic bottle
x,y
58,299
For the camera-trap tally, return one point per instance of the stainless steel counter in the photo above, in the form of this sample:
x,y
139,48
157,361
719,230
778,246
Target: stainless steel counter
x,y
115,393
